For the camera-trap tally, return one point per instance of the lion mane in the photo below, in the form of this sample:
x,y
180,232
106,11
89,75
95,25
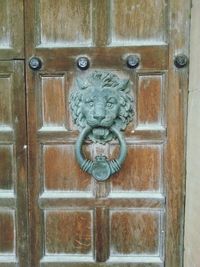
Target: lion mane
x,y
102,80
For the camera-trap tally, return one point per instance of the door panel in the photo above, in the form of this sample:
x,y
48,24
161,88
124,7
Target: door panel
x,y
135,217
12,29
13,183
78,17
136,22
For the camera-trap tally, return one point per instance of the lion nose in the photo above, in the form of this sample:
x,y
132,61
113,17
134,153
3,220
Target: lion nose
x,y
99,113
99,117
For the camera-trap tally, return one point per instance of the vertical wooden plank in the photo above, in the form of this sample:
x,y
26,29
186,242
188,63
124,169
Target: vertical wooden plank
x,y
101,22
21,162
35,214
179,12
101,234
29,31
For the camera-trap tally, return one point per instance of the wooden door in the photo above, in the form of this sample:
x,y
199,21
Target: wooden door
x,y
13,143
136,217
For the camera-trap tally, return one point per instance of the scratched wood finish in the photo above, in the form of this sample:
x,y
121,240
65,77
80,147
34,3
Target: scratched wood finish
x,y
78,232
69,15
11,29
175,154
147,179
126,17
13,166
129,220
140,229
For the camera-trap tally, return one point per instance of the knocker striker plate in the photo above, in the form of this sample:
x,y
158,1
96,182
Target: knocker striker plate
x,y
101,108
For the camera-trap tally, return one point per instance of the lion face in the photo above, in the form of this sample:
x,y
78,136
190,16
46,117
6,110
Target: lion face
x,y
100,102
100,108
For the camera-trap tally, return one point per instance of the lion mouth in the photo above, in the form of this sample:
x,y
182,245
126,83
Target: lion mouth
x,y
100,133
100,124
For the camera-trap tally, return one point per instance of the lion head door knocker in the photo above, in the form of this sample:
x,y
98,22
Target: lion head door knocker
x,y
101,108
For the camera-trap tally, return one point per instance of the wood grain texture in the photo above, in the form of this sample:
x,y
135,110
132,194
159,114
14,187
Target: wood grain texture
x,y
135,21
101,234
53,101
176,124
68,232
145,173
101,22
5,100
13,166
134,232
7,167
61,172
150,101
12,29
69,15
7,229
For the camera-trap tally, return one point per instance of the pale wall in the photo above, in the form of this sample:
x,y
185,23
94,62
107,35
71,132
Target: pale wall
x,y
192,220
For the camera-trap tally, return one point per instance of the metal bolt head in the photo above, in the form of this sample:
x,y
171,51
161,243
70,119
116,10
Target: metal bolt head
x,y
35,63
133,61
181,61
83,63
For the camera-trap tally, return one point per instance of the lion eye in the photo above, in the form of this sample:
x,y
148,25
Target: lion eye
x,y
109,104
91,103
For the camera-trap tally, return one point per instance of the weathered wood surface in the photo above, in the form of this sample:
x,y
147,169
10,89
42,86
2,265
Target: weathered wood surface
x,y
11,29
126,221
13,166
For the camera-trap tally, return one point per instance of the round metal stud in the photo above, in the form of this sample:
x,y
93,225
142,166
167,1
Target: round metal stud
x,y
133,61
181,61
83,63
35,63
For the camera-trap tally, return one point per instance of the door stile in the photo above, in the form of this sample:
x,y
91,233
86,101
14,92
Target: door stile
x,y
179,12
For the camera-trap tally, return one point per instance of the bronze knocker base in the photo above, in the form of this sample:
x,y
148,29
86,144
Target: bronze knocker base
x,y
101,108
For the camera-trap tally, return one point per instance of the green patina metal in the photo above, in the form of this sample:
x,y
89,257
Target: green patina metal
x,y
101,107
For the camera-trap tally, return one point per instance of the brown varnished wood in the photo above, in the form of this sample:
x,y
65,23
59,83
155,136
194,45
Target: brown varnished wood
x,y
151,100
19,119
175,149
101,234
133,224
78,18
58,199
13,167
56,172
151,57
124,221
78,232
12,29
101,22
130,22
6,179
146,172
7,238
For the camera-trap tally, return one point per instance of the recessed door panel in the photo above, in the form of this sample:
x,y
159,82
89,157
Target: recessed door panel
x,y
12,29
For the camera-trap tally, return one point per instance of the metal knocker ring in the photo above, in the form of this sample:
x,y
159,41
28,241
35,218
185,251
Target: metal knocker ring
x,y
101,168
